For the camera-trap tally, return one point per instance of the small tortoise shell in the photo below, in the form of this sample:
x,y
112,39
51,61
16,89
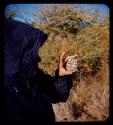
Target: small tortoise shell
x,y
71,64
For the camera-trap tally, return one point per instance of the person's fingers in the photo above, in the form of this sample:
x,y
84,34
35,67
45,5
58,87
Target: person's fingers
x,y
62,55
74,56
68,73
66,58
62,58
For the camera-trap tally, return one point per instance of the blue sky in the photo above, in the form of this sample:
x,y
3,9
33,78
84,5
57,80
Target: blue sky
x,y
27,9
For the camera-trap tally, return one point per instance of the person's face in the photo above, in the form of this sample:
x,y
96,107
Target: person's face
x,y
34,69
38,59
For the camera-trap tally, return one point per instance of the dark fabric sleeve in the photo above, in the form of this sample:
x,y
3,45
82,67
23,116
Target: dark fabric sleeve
x,y
56,88
63,86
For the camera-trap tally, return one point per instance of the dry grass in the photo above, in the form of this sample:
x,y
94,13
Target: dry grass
x,y
88,100
89,97
93,98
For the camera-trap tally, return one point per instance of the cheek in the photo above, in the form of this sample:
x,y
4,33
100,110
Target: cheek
x,y
38,59
34,69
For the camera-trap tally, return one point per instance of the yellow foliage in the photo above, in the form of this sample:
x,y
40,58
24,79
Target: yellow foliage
x,y
89,98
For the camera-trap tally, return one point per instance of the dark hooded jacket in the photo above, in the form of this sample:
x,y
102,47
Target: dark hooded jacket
x,y
28,98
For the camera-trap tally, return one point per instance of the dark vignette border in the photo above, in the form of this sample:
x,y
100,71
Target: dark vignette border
x,y
2,15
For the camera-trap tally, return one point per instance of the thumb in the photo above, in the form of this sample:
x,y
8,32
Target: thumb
x,y
61,58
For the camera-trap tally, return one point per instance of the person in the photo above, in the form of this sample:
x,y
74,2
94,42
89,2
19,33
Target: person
x,y
29,92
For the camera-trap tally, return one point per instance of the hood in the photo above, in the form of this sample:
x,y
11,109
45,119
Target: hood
x,y
22,43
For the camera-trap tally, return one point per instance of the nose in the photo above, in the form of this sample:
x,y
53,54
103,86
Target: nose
x,y
38,58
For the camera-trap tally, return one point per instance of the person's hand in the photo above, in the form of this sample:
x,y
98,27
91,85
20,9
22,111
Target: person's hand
x,y
62,65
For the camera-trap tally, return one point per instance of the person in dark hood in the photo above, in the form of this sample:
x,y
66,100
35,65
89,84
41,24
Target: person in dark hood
x,y
29,92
